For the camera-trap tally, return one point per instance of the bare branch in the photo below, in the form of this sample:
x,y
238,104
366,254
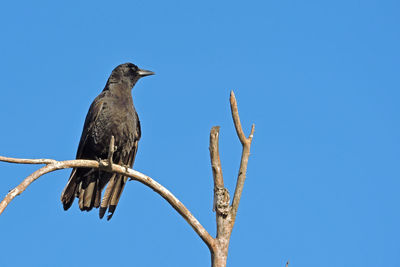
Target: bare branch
x,y
22,186
221,194
53,165
226,214
236,121
215,159
27,161
287,264
246,142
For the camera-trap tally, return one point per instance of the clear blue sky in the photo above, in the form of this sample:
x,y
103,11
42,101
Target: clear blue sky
x,y
320,79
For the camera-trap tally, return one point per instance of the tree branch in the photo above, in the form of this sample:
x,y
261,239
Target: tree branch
x,y
27,161
225,214
221,194
53,165
246,143
215,159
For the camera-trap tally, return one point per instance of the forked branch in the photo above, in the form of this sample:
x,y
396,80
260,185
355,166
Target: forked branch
x,y
246,143
226,213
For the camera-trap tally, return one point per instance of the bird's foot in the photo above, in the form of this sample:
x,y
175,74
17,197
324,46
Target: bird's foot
x,y
104,163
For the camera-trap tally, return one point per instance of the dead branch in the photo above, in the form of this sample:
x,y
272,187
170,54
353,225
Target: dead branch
x,y
226,214
53,165
246,143
221,195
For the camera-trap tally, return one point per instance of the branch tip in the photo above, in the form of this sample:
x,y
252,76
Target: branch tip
x,y
252,132
215,129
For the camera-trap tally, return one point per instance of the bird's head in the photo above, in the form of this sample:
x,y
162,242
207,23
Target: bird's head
x,y
128,73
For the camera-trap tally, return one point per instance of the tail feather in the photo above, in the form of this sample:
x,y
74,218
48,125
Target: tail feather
x,y
112,195
82,184
87,185
97,198
106,197
89,195
69,192
80,196
117,192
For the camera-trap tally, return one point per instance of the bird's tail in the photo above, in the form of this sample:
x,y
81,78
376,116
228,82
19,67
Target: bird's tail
x,y
69,192
112,195
83,184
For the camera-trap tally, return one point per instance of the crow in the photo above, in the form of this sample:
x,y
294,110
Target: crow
x,y
112,113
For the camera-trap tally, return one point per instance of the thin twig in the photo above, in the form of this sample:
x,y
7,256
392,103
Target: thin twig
x,y
53,165
236,119
27,161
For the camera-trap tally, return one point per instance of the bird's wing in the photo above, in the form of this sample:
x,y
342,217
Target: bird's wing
x,y
91,118
138,132
69,192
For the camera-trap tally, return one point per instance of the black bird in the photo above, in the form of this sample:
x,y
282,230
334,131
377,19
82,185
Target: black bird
x,y
111,114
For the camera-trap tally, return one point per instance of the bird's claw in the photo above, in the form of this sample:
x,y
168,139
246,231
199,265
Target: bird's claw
x,y
103,164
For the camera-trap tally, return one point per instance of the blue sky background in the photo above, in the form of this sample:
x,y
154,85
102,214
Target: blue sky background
x,y
320,79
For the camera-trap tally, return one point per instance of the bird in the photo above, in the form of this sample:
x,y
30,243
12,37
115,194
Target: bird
x,y
111,115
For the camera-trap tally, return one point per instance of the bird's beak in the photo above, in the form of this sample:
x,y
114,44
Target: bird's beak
x,y
143,73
